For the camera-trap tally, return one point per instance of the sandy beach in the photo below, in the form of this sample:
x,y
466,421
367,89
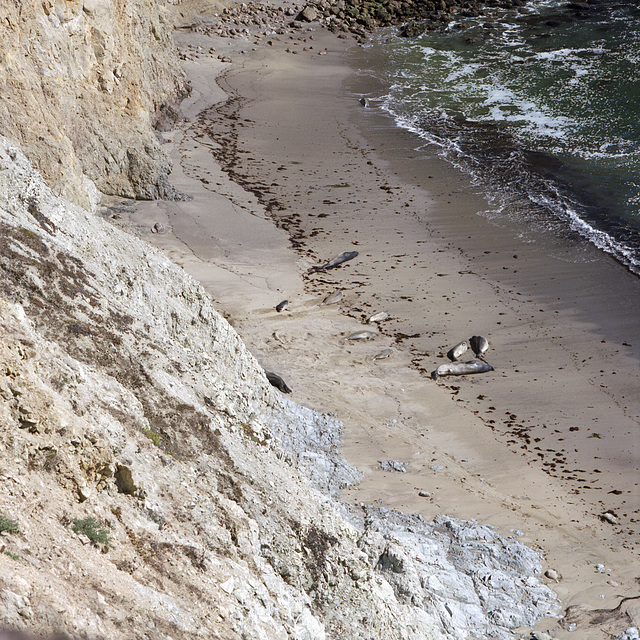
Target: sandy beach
x,y
294,170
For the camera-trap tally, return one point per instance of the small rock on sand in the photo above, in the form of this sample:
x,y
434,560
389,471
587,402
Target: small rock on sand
x,y
393,465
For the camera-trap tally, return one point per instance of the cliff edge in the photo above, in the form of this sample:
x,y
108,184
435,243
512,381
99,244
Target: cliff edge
x,y
83,84
153,483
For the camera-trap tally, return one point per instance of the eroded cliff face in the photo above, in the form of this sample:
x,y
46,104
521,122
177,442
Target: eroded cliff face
x,y
82,85
128,402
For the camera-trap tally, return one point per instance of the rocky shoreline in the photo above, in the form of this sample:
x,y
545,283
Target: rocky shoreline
x,y
356,17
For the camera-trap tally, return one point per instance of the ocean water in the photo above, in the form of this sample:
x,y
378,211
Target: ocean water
x,y
540,106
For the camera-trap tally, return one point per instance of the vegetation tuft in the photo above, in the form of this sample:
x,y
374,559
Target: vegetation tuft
x,y
6,524
153,436
91,528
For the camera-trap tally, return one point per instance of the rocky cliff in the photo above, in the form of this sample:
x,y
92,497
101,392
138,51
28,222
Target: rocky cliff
x,y
82,85
154,485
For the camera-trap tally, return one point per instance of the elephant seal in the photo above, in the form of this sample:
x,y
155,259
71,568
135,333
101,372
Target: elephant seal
x,y
385,353
277,382
338,260
332,298
281,306
455,352
461,368
377,317
479,345
361,335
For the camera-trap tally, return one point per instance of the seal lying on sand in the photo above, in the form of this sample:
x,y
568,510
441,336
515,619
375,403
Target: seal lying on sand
x,y
378,317
385,353
479,345
361,335
277,381
455,352
338,260
281,306
332,298
461,368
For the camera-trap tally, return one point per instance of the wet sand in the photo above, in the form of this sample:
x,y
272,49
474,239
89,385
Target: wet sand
x,y
543,445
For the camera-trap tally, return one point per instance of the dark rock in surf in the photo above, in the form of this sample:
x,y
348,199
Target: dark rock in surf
x,y
412,30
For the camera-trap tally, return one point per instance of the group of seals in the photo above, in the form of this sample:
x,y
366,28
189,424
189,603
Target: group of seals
x,y
479,346
332,298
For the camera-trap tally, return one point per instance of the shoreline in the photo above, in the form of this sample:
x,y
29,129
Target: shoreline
x,y
389,410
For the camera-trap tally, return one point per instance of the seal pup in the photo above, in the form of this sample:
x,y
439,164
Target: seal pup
x,y
361,335
461,368
338,260
281,306
277,382
385,353
455,352
377,317
479,345
332,298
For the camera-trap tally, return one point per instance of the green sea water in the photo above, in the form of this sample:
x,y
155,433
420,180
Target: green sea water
x,y
539,104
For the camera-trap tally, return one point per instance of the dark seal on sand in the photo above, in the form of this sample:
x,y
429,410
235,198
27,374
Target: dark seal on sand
x,y
277,382
479,345
338,260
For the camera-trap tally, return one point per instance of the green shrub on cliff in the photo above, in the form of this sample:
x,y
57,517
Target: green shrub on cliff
x,y
91,528
6,524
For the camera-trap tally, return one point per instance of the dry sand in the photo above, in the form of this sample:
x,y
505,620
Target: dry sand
x,y
517,448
